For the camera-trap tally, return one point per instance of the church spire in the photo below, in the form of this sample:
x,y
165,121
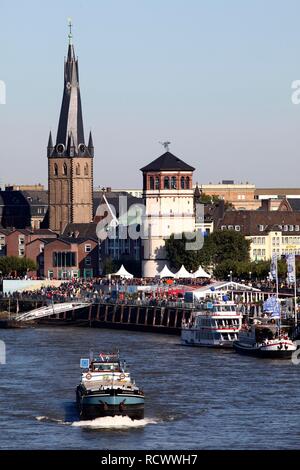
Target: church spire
x,y
70,120
91,145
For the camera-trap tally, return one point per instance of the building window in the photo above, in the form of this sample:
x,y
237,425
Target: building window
x,y
64,259
77,169
65,170
182,182
21,252
87,248
21,240
55,169
291,228
237,228
86,170
187,182
230,227
88,261
166,182
151,182
223,227
173,182
157,185
261,228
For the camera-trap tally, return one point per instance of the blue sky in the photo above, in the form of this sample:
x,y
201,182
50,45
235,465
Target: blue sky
x,y
212,76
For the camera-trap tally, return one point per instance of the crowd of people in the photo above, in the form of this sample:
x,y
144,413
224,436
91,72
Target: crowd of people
x,y
100,289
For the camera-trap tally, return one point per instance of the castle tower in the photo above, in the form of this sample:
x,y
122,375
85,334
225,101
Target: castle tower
x,y
70,161
169,199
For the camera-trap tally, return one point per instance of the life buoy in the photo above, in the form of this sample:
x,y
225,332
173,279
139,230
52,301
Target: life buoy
x,y
88,376
121,376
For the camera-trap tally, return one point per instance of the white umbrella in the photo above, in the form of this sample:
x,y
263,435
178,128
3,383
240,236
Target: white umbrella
x,y
200,273
123,273
165,272
183,273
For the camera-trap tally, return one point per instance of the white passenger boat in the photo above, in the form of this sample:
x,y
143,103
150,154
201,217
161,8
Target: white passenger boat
x,y
214,324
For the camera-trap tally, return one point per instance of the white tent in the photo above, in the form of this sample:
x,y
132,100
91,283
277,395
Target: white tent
x,y
183,273
123,273
200,273
165,272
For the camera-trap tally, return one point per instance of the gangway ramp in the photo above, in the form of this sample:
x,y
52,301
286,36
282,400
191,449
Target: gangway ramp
x,y
51,310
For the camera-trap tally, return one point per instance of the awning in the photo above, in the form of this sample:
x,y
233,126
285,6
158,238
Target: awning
x,y
165,272
123,273
200,273
183,273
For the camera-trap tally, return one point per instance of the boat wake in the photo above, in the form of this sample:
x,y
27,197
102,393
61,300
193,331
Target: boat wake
x,y
108,422
51,420
114,422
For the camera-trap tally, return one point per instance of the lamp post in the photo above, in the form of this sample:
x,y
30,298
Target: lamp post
x,y
250,274
230,276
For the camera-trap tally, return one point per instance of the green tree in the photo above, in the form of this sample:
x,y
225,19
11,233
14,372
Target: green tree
x,y
12,265
229,245
218,247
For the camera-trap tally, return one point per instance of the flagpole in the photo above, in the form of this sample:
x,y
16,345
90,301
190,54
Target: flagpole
x,y
277,299
295,294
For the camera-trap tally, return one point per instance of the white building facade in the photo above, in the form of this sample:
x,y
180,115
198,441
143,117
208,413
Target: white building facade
x,y
169,208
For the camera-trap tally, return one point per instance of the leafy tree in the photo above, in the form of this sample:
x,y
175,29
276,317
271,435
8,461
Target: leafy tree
x,y
178,255
218,247
229,245
12,265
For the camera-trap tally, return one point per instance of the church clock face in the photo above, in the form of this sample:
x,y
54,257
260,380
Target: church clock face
x,y
81,148
60,148
68,86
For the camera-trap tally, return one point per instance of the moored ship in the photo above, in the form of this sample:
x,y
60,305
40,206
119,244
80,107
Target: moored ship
x,y
106,389
213,324
264,340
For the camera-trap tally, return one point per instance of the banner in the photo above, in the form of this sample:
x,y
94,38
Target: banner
x,y
272,306
291,268
273,267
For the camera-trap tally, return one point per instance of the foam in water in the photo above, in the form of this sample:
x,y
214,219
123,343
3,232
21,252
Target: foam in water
x,y
51,420
117,422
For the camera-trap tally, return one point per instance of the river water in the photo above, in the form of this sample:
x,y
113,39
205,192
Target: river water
x,y
196,398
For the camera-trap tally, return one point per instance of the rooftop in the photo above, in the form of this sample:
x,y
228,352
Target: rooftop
x,y
167,162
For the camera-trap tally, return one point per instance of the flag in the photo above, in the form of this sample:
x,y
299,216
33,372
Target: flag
x,y
102,356
277,310
291,268
273,267
272,306
269,304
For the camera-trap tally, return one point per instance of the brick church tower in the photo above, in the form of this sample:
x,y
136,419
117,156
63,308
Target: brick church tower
x,y
70,160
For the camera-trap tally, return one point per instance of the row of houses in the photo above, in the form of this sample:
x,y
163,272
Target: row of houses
x,y
78,252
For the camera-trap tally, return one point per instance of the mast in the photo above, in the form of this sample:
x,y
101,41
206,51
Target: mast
x,y
295,300
277,299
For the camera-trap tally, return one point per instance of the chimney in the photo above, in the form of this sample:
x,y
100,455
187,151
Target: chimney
x,y
266,205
